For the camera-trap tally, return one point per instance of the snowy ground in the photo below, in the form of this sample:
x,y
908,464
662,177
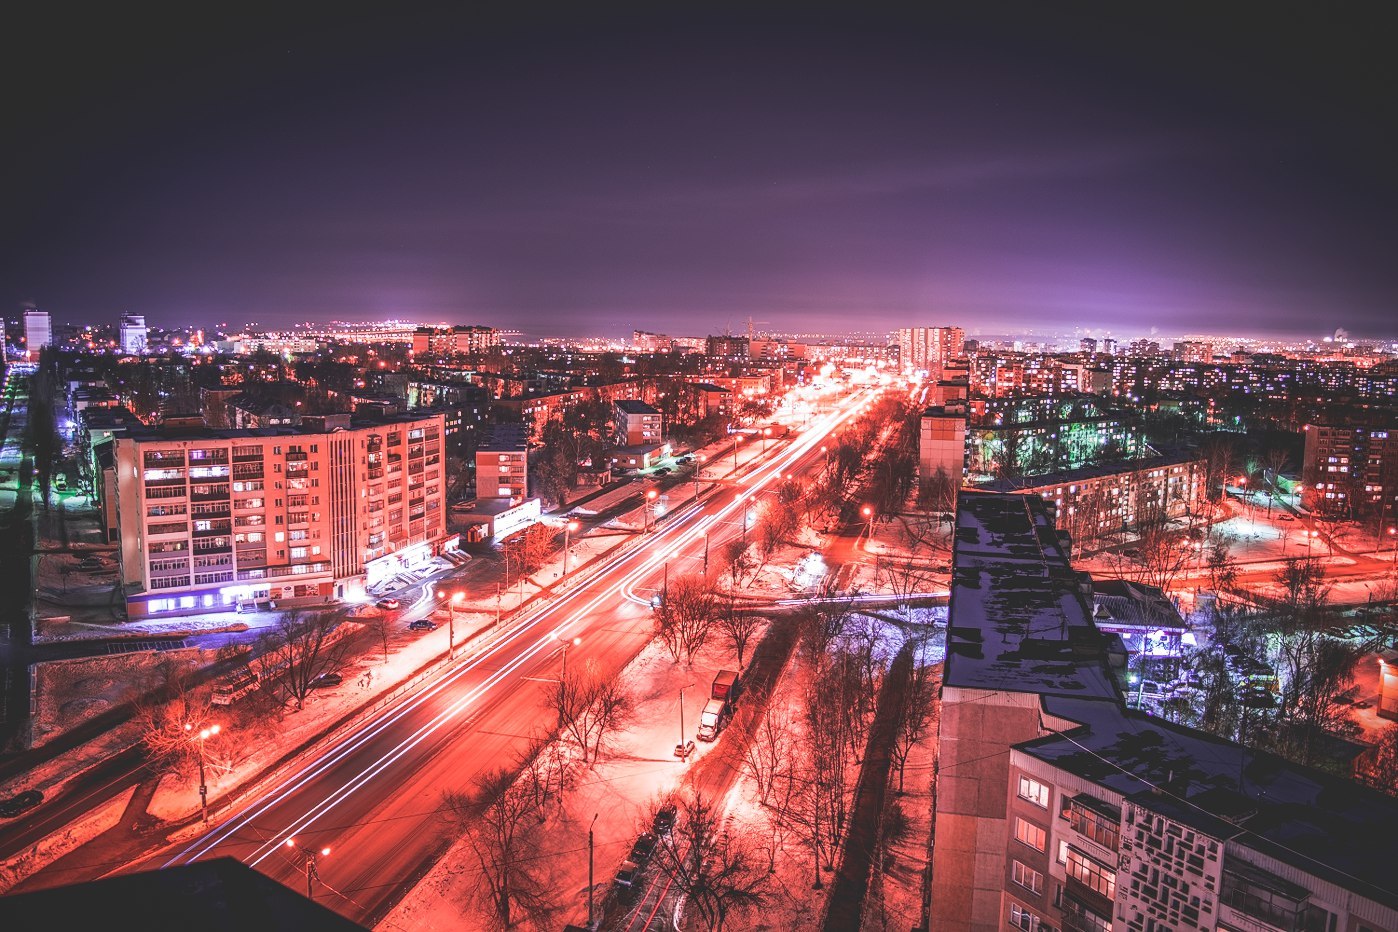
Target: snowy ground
x,y
640,768
69,692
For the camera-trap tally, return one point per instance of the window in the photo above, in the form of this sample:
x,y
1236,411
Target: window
x,y
1027,877
1091,873
1022,918
1027,833
1034,791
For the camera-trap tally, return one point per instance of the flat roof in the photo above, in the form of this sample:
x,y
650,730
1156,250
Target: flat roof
x,y
148,434
1095,471
505,438
1019,618
632,406
1326,825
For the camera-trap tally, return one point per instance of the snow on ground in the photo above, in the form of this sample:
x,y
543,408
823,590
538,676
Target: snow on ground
x,y
620,790
52,776
69,692
59,844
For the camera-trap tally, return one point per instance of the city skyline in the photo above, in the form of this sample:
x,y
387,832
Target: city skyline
x,y
573,174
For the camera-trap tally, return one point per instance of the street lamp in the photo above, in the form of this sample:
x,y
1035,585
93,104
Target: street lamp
x,y
204,735
682,689
651,496
568,529
590,882
310,865
456,599
868,513
766,432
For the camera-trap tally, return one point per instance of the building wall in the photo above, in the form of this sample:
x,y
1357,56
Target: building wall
x,y
942,445
502,474
296,516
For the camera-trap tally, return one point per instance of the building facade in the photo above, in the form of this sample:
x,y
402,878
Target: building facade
x,y
1351,470
502,463
134,335
929,349
454,341
1057,807
308,515
38,331
637,423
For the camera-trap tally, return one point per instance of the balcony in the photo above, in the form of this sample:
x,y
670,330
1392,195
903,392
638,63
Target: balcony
x,y
295,456
212,545
1094,819
214,528
1261,899
217,494
247,471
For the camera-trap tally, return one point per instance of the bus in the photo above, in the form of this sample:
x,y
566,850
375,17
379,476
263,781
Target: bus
x,y
235,686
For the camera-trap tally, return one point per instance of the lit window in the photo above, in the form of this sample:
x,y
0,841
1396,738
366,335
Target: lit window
x,y
1034,791
1027,833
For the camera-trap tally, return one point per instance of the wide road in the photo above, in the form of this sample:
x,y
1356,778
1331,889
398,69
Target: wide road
x,y
372,796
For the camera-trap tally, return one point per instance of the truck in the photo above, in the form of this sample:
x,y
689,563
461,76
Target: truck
x,y
725,686
712,719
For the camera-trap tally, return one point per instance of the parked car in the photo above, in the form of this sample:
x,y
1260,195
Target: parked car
x,y
664,471
627,874
664,820
326,680
388,605
644,847
1285,517
422,624
20,804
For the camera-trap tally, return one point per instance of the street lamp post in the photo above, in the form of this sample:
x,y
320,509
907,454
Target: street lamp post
x,y
868,513
204,735
590,882
568,529
309,865
651,496
682,689
766,432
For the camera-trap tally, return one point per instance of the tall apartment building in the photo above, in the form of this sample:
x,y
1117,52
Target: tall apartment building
x,y
453,341
38,331
502,463
929,349
299,515
134,334
1351,469
1059,808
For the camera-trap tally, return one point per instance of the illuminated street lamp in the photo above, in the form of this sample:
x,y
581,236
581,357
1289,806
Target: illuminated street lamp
x,y
456,599
766,432
204,735
651,496
310,864
568,529
868,513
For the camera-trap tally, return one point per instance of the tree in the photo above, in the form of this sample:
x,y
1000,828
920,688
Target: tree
x,y
739,628
773,528
918,713
1380,768
1223,567
170,725
937,493
1165,549
381,624
531,549
496,817
685,614
591,707
767,758
904,579
717,869
299,648
737,559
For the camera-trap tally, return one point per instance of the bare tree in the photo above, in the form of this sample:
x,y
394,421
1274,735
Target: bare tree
x,y
1223,566
768,756
737,559
496,817
300,647
904,579
592,708
685,615
718,869
919,714
1165,549
738,627
532,548
382,627
171,727
773,529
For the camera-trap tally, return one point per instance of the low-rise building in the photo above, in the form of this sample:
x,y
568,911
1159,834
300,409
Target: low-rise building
x,y
637,423
502,463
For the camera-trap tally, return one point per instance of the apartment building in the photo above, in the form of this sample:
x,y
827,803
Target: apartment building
x,y
637,423
1351,469
502,463
38,331
929,349
454,341
1059,808
296,515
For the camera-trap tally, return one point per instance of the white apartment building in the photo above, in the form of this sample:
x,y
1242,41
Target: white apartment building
x,y
297,515
502,463
38,331
929,349
134,334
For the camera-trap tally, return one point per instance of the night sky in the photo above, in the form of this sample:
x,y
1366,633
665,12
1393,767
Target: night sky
x,y
563,174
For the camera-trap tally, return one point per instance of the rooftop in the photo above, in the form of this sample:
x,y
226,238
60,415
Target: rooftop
x,y
1326,825
506,438
1080,474
1019,618
312,425
632,406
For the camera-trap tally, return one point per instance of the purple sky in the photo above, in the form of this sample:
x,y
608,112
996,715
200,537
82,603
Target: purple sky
x,y
571,176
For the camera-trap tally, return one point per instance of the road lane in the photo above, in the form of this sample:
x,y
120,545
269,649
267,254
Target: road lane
x,y
372,795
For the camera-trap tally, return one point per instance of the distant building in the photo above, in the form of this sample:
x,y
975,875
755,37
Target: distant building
x,y
300,515
38,331
637,423
1109,346
250,412
1059,808
454,341
929,349
502,463
646,342
727,347
776,350
1087,345
134,334
1193,351
942,443
712,400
